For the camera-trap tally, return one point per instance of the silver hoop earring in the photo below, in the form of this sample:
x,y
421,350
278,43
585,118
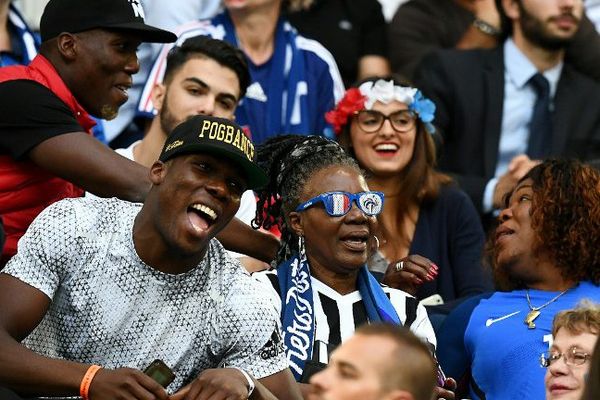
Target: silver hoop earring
x,y
376,242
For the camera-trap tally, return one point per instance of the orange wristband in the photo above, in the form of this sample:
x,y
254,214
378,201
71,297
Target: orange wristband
x,y
84,387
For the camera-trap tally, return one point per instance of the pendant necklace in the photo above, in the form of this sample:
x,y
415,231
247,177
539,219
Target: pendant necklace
x,y
536,311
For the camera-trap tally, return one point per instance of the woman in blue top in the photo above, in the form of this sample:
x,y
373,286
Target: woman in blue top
x,y
546,255
430,235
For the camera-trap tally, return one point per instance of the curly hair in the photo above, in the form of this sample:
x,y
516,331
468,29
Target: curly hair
x,y
421,181
565,216
290,161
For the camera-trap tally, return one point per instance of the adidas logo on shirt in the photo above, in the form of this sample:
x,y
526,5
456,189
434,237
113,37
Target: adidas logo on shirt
x,y
256,92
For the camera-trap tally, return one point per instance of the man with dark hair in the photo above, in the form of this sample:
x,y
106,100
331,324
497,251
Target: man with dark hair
x,y
209,77
203,76
380,361
86,60
101,288
502,109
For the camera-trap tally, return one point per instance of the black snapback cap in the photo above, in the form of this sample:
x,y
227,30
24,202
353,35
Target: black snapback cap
x,y
81,15
217,136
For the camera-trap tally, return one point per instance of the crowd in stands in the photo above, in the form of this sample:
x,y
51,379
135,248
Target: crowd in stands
x,y
300,199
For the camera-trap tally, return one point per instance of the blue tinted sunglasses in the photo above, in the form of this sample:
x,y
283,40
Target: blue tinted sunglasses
x,y
339,203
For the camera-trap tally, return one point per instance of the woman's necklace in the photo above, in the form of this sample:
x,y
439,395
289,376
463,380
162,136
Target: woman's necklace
x,y
536,311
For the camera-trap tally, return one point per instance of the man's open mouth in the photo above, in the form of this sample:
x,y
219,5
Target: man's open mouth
x,y
201,216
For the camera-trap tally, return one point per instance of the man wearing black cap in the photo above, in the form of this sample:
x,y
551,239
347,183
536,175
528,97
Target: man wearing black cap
x,y
101,288
86,60
205,76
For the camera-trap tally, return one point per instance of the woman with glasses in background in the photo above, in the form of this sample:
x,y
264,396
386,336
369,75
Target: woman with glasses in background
x,y
321,286
567,363
430,236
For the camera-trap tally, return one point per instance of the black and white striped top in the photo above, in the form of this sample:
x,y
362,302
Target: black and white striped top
x,y
337,316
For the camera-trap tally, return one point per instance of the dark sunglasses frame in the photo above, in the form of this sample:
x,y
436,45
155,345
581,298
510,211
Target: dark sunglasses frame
x,y
371,129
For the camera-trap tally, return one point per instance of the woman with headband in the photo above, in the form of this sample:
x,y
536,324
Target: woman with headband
x,y
429,233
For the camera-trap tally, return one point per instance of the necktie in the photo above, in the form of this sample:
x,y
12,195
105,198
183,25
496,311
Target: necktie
x,y
540,126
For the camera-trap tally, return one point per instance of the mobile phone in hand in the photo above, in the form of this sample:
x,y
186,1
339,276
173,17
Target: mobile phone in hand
x,y
159,371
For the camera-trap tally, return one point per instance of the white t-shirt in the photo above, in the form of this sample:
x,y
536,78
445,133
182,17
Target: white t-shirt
x,y
247,210
110,308
127,152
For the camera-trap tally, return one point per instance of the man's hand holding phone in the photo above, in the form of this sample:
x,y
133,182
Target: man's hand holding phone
x,y
160,372
125,383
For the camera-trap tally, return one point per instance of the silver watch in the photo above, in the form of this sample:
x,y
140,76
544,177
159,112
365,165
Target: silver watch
x,y
248,378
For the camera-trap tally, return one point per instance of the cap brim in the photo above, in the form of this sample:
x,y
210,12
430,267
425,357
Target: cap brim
x,y
145,32
257,178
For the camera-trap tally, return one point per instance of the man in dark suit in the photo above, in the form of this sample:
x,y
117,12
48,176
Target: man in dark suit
x,y
494,120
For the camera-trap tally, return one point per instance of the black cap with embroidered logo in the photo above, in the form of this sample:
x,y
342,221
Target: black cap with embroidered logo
x,y
218,136
81,15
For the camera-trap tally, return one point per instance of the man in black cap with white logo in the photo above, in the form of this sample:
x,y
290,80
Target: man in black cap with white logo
x,y
86,61
99,289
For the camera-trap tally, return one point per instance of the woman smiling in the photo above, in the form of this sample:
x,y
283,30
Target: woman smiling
x,y
388,128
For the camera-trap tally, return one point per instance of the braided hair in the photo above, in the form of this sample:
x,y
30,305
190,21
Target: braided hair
x,y
290,161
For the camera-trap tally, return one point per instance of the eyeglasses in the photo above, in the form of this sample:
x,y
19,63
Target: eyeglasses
x,y
572,357
339,203
371,121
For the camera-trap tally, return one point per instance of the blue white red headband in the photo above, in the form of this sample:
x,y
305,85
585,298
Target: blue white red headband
x,y
363,98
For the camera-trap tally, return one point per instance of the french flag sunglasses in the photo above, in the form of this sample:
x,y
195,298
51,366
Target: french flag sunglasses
x,y
338,204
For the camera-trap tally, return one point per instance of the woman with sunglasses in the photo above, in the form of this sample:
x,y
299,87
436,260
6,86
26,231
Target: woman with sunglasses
x,y
430,236
321,286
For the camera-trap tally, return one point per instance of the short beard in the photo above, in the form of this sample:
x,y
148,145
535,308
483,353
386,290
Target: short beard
x,y
108,112
168,122
534,30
